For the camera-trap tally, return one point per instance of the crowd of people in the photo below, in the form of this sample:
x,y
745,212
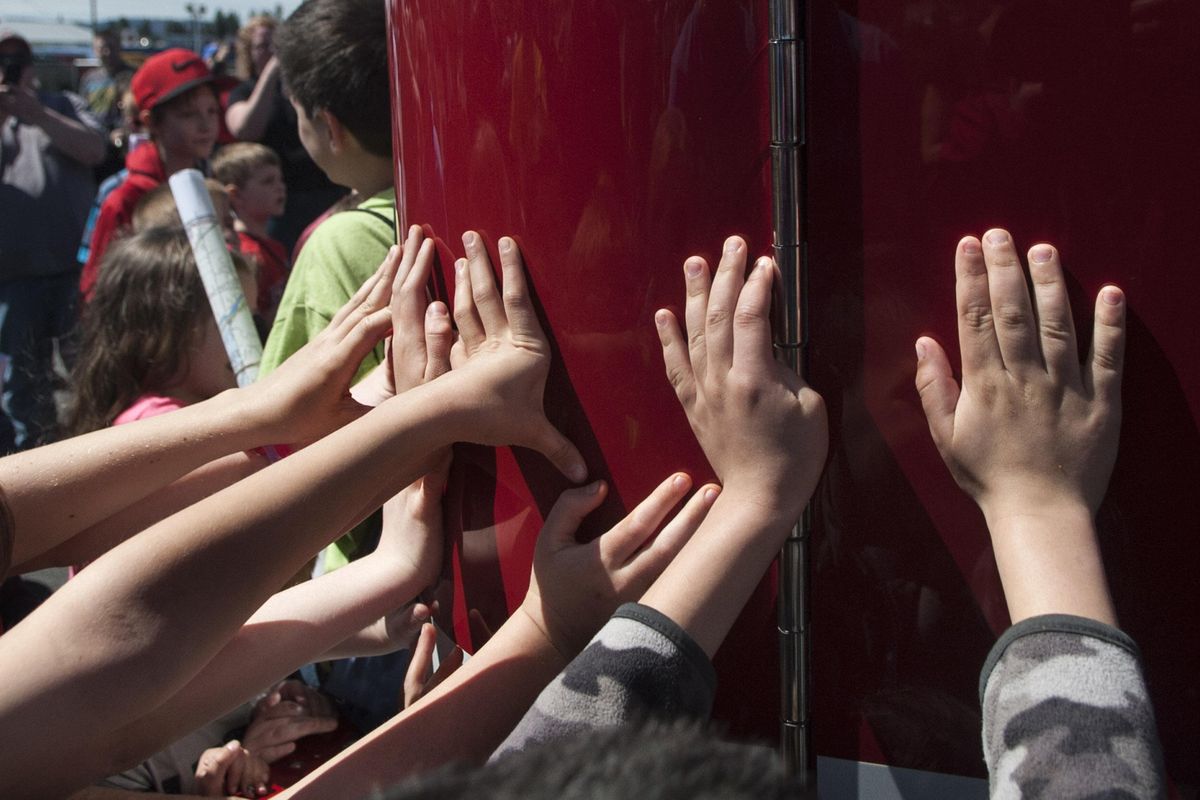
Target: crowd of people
x,y
165,479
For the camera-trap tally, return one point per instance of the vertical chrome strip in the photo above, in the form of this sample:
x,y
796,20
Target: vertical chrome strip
x,y
786,61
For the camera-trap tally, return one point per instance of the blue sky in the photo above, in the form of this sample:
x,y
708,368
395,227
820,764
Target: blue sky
x,y
80,10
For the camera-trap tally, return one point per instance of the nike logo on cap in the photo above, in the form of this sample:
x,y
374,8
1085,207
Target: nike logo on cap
x,y
180,66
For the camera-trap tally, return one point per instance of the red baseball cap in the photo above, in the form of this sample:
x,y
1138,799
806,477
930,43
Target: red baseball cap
x,y
166,75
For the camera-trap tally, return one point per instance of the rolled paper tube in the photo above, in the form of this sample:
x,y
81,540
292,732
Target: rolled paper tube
x,y
220,278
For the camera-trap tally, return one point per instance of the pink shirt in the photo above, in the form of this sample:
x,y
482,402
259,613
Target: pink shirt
x,y
146,406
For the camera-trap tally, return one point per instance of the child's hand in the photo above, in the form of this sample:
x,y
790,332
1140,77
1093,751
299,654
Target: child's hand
x,y
309,395
762,428
1031,430
412,532
271,737
419,350
290,698
418,680
231,770
504,355
575,587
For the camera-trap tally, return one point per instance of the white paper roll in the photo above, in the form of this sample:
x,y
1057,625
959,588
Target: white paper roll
x,y
220,277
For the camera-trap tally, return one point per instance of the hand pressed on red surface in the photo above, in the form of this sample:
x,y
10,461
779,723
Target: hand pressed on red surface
x,y
761,426
504,356
575,587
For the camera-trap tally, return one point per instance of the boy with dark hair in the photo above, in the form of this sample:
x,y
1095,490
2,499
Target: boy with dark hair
x,y
179,109
333,55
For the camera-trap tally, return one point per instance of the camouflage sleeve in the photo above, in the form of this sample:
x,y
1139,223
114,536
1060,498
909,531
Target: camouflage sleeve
x,y
1066,713
640,665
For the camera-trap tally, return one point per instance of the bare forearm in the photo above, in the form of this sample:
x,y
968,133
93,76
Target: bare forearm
x,y
136,626
59,490
76,140
705,587
291,629
1049,563
93,542
505,677
247,119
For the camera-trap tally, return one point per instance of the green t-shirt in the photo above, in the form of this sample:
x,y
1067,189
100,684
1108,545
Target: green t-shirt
x,y
340,255
337,259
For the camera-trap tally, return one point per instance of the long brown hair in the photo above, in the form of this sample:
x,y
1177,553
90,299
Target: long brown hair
x,y
138,329
245,59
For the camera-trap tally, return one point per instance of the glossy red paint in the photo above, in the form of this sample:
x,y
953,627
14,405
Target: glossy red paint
x,y
611,142
1065,121
613,139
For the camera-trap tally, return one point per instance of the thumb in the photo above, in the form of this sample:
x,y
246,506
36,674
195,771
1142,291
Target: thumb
x,y
939,392
560,451
569,510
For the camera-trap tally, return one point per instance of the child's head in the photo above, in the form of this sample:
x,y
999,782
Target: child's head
x,y
177,103
251,174
333,56
157,209
148,329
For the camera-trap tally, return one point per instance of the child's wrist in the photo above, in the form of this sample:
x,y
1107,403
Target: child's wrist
x,y
236,413
1049,562
531,617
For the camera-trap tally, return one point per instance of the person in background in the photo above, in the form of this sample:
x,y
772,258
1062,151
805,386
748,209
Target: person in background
x,y
157,208
103,88
136,136
258,111
48,146
253,180
179,108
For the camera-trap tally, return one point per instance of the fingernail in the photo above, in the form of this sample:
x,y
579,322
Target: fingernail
x,y
460,267
578,474
437,310
692,267
661,317
920,350
469,238
680,481
1111,295
970,246
733,244
594,487
997,237
710,494
505,244
1041,254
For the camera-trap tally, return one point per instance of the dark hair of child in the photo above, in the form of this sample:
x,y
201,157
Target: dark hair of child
x,y
333,56
137,331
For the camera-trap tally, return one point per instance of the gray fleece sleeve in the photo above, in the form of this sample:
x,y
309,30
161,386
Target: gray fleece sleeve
x,y
1066,713
640,664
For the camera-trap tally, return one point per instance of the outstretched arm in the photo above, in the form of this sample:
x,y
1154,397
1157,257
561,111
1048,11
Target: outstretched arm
x,y
1031,435
141,621
762,428
58,491
573,589
764,433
